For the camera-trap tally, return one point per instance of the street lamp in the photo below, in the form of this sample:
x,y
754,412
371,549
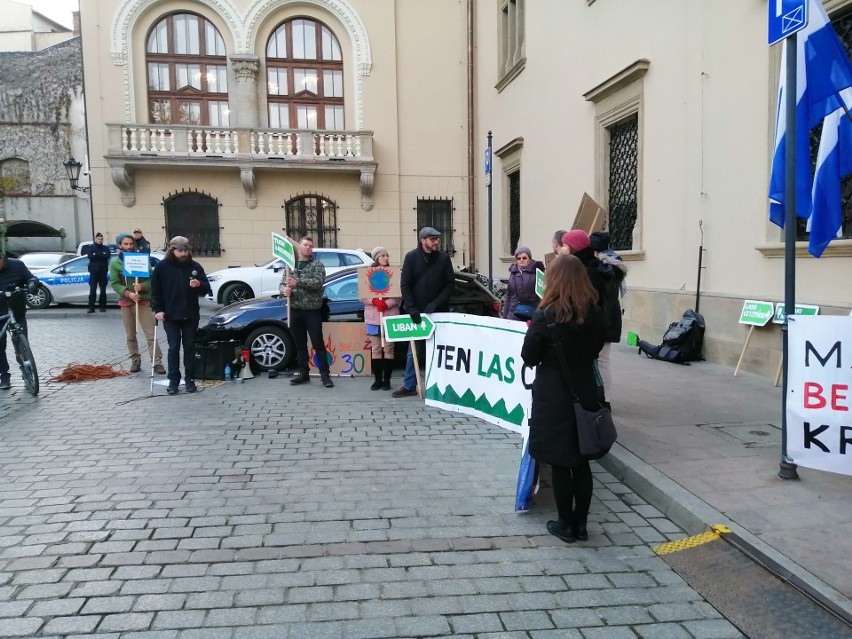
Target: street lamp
x,y
73,167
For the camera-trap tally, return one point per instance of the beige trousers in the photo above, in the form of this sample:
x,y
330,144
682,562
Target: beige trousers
x,y
376,347
146,321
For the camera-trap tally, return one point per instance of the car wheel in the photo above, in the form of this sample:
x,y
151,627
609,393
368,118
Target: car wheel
x,y
39,299
271,348
236,293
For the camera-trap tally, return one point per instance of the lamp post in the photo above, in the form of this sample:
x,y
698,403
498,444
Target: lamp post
x,y
73,167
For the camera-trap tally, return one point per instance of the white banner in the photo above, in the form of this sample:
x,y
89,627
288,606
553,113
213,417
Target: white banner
x,y
819,424
474,366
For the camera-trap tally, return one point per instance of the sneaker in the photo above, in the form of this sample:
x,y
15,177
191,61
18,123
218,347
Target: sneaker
x,y
560,530
5,383
158,368
172,389
136,366
402,391
300,378
190,386
326,381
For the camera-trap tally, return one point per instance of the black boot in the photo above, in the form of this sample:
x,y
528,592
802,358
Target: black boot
x,y
387,370
377,372
578,528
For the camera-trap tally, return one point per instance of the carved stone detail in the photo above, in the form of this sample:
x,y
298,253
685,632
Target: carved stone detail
x,y
123,178
245,68
368,176
249,186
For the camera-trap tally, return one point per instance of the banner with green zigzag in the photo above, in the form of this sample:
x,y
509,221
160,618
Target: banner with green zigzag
x,y
480,404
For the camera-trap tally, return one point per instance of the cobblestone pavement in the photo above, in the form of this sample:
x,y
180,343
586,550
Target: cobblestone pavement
x,y
251,510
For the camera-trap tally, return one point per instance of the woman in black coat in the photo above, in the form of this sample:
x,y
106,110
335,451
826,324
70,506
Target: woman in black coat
x,y
570,307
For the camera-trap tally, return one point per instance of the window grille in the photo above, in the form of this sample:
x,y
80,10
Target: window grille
x,y
514,210
314,216
196,217
437,213
843,27
623,181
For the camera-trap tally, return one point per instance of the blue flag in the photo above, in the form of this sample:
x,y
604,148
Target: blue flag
x,y
834,162
823,71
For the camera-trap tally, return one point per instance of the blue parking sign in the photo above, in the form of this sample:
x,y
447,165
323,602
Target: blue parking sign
x,y
786,17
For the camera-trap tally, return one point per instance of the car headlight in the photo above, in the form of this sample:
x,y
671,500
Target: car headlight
x,y
213,278
224,320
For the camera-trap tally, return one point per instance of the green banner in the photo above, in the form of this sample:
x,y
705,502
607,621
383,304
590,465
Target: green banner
x,y
539,282
283,250
401,328
800,309
756,313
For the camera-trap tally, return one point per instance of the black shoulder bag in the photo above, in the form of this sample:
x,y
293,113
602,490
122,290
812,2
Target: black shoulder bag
x,y
595,429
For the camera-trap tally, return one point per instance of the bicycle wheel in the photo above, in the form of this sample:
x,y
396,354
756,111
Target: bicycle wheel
x,y
26,361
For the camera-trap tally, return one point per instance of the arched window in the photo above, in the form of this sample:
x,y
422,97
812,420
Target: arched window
x,y
195,216
304,77
187,72
313,215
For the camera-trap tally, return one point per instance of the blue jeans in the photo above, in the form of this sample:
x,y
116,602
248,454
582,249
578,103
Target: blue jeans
x,y
410,380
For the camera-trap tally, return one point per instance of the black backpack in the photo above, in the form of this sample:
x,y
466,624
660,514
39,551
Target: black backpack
x,y
682,341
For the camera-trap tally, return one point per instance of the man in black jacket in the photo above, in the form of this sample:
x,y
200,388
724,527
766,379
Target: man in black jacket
x,y
142,244
427,282
99,256
176,284
13,273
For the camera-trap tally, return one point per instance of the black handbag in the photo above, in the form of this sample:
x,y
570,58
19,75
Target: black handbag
x,y
595,429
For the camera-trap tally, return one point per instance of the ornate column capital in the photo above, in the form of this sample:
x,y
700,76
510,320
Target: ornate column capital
x,y
246,67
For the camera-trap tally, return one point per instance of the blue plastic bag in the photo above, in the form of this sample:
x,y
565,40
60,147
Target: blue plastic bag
x,y
526,480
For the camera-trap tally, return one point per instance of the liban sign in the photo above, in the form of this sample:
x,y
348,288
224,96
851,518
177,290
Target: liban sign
x,y
283,250
786,17
137,265
401,328
799,309
756,313
539,282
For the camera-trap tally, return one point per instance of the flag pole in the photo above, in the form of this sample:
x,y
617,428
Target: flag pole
x,y
786,468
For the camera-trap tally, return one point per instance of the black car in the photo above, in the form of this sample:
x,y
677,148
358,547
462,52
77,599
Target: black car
x,y
261,324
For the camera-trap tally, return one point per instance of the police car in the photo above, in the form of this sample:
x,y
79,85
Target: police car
x,y
68,283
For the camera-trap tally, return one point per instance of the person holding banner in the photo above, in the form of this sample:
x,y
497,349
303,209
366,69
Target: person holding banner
x,y
568,318
521,299
134,300
374,310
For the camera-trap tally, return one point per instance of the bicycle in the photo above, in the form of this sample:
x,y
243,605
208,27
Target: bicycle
x,y
23,352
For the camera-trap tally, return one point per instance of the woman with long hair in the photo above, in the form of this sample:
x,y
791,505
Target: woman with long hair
x,y
569,319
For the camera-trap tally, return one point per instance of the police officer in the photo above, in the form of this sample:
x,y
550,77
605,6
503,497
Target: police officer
x,y
142,244
13,273
99,256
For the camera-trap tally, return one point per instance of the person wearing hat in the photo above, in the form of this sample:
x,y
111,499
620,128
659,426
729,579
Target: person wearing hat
x,y
521,299
99,256
134,300
427,281
13,274
177,283
142,245
374,309
606,277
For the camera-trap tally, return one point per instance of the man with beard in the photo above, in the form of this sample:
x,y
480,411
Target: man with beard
x,y
176,284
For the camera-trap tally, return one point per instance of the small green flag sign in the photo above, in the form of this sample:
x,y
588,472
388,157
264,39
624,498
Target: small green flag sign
x,y
401,328
756,313
539,282
283,250
800,309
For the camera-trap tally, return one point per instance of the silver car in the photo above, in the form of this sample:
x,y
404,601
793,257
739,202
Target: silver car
x,y
68,283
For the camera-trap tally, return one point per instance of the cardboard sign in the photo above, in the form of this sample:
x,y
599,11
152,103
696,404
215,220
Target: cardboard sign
x,y
756,313
799,309
590,217
379,281
137,265
348,349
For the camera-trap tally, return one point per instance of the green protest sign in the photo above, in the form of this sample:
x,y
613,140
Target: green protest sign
x,y
539,282
401,328
283,250
800,309
756,313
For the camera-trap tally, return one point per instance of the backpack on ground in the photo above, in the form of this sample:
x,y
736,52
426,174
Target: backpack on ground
x,y
682,341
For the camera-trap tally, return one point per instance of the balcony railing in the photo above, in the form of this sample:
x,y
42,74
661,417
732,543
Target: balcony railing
x,y
177,141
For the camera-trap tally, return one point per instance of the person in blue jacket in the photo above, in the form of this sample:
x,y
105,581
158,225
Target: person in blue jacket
x,y
99,256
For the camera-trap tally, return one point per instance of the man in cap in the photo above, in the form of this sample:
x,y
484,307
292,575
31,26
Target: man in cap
x,y
142,245
427,282
99,256
176,284
304,287
134,300
13,274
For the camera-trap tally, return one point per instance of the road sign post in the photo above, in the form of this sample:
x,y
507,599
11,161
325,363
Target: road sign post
x,y
786,17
